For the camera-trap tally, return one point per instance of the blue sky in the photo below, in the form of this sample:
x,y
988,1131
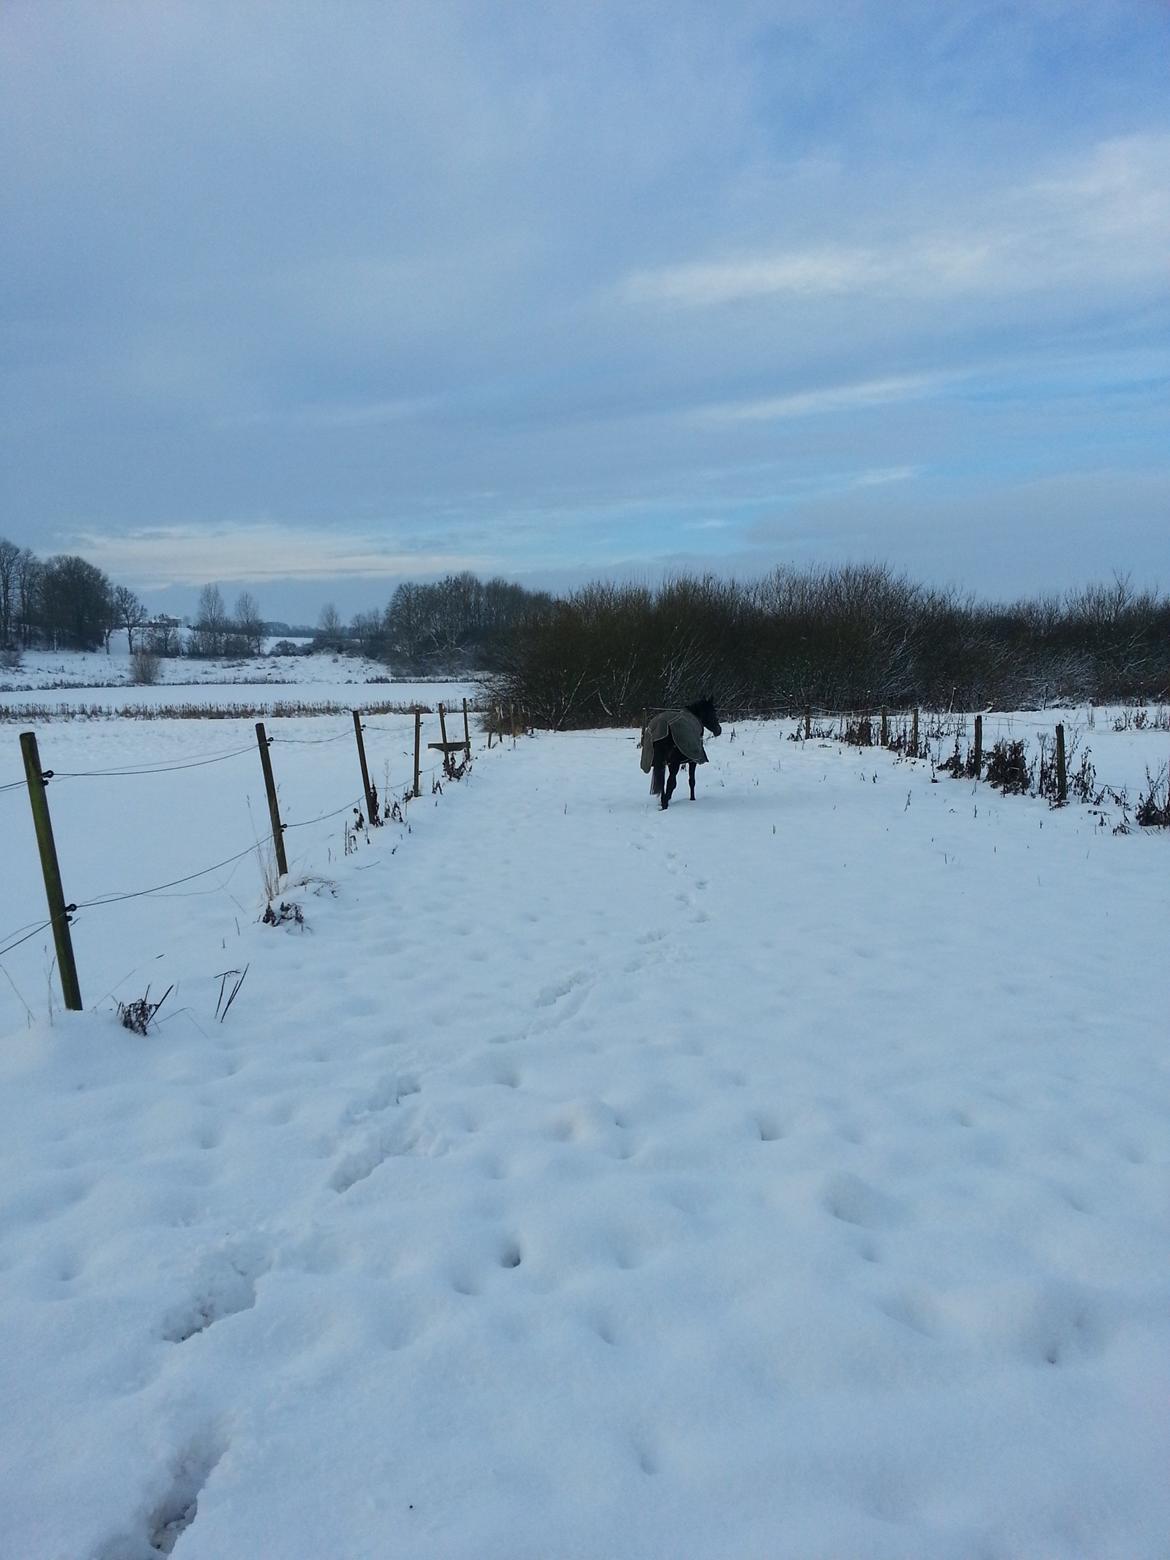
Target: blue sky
x,y
310,298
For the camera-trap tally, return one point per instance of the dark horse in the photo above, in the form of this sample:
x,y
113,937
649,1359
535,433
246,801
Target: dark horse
x,y
674,738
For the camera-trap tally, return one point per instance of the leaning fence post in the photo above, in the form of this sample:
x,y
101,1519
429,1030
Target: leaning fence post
x,y
371,799
417,746
38,779
273,806
1061,773
978,746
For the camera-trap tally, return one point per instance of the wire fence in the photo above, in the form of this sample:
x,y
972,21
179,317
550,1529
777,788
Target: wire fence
x,y
368,810
995,753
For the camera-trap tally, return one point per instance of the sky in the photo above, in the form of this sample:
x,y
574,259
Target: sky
x,y
309,298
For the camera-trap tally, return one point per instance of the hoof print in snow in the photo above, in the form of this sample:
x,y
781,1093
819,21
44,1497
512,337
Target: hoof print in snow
x,y
359,1166
228,1288
769,1128
174,1514
177,1512
848,1198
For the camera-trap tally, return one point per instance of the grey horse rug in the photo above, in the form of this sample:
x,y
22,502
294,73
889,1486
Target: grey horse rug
x,y
686,730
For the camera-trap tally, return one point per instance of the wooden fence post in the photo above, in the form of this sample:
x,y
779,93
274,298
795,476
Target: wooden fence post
x,y
978,747
807,722
914,735
1061,773
417,746
443,735
273,806
54,893
885,727
371,800
466,731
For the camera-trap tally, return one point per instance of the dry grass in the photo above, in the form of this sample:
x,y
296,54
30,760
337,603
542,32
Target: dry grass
x,y
276,709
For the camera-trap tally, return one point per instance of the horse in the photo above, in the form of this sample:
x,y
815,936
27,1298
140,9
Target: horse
x,y
673,738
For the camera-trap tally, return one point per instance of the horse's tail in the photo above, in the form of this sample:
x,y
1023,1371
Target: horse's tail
x,y
656,782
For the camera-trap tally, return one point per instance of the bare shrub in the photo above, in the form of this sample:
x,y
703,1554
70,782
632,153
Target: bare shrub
x,y
1153,808
1008,768
144,668
139,1014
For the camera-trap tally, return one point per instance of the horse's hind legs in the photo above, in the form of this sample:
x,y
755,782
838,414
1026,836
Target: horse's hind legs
x,y
670,785
691,778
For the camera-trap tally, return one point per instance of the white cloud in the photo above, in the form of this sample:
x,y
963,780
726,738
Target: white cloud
x,y
882,475
834,398
1106,218
191,555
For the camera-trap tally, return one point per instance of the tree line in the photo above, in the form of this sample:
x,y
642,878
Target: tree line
x,y
849,637
853,637
63,602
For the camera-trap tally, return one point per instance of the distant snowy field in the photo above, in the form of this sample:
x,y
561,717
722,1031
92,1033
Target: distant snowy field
x,y
96,669
74,682
785,1176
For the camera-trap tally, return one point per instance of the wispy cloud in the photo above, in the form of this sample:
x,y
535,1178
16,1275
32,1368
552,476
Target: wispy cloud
x,y
1109,214
195,554
880,476
833,398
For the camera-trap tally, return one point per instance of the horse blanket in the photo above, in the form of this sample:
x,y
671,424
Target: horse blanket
x,y
686,730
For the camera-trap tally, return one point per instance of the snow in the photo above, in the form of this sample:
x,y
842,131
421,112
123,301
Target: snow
x,y
60,678
785,1175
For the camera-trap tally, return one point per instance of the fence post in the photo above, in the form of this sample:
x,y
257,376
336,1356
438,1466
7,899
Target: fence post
x,y
273,806
914,735
54,893
371,800
443,738
807,722
885,727
1061,773
466,731
978,747
417,746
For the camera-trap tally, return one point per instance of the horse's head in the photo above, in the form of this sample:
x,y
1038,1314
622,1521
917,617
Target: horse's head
x,y
705,710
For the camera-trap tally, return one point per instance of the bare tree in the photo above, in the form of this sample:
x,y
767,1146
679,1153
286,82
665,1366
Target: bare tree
x,y
248,625
128,612
330,634
209,631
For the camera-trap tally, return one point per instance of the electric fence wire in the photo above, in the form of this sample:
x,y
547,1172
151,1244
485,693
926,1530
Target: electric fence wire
x,y
126,770
8,947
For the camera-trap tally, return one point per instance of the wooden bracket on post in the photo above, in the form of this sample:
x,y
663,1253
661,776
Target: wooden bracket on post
x,y
38,779
273,807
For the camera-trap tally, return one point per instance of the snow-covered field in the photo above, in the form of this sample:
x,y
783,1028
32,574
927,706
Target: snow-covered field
x,y
77,685
782,1176
80,669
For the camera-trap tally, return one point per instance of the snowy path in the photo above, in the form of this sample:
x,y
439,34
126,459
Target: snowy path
x,y
785,1176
